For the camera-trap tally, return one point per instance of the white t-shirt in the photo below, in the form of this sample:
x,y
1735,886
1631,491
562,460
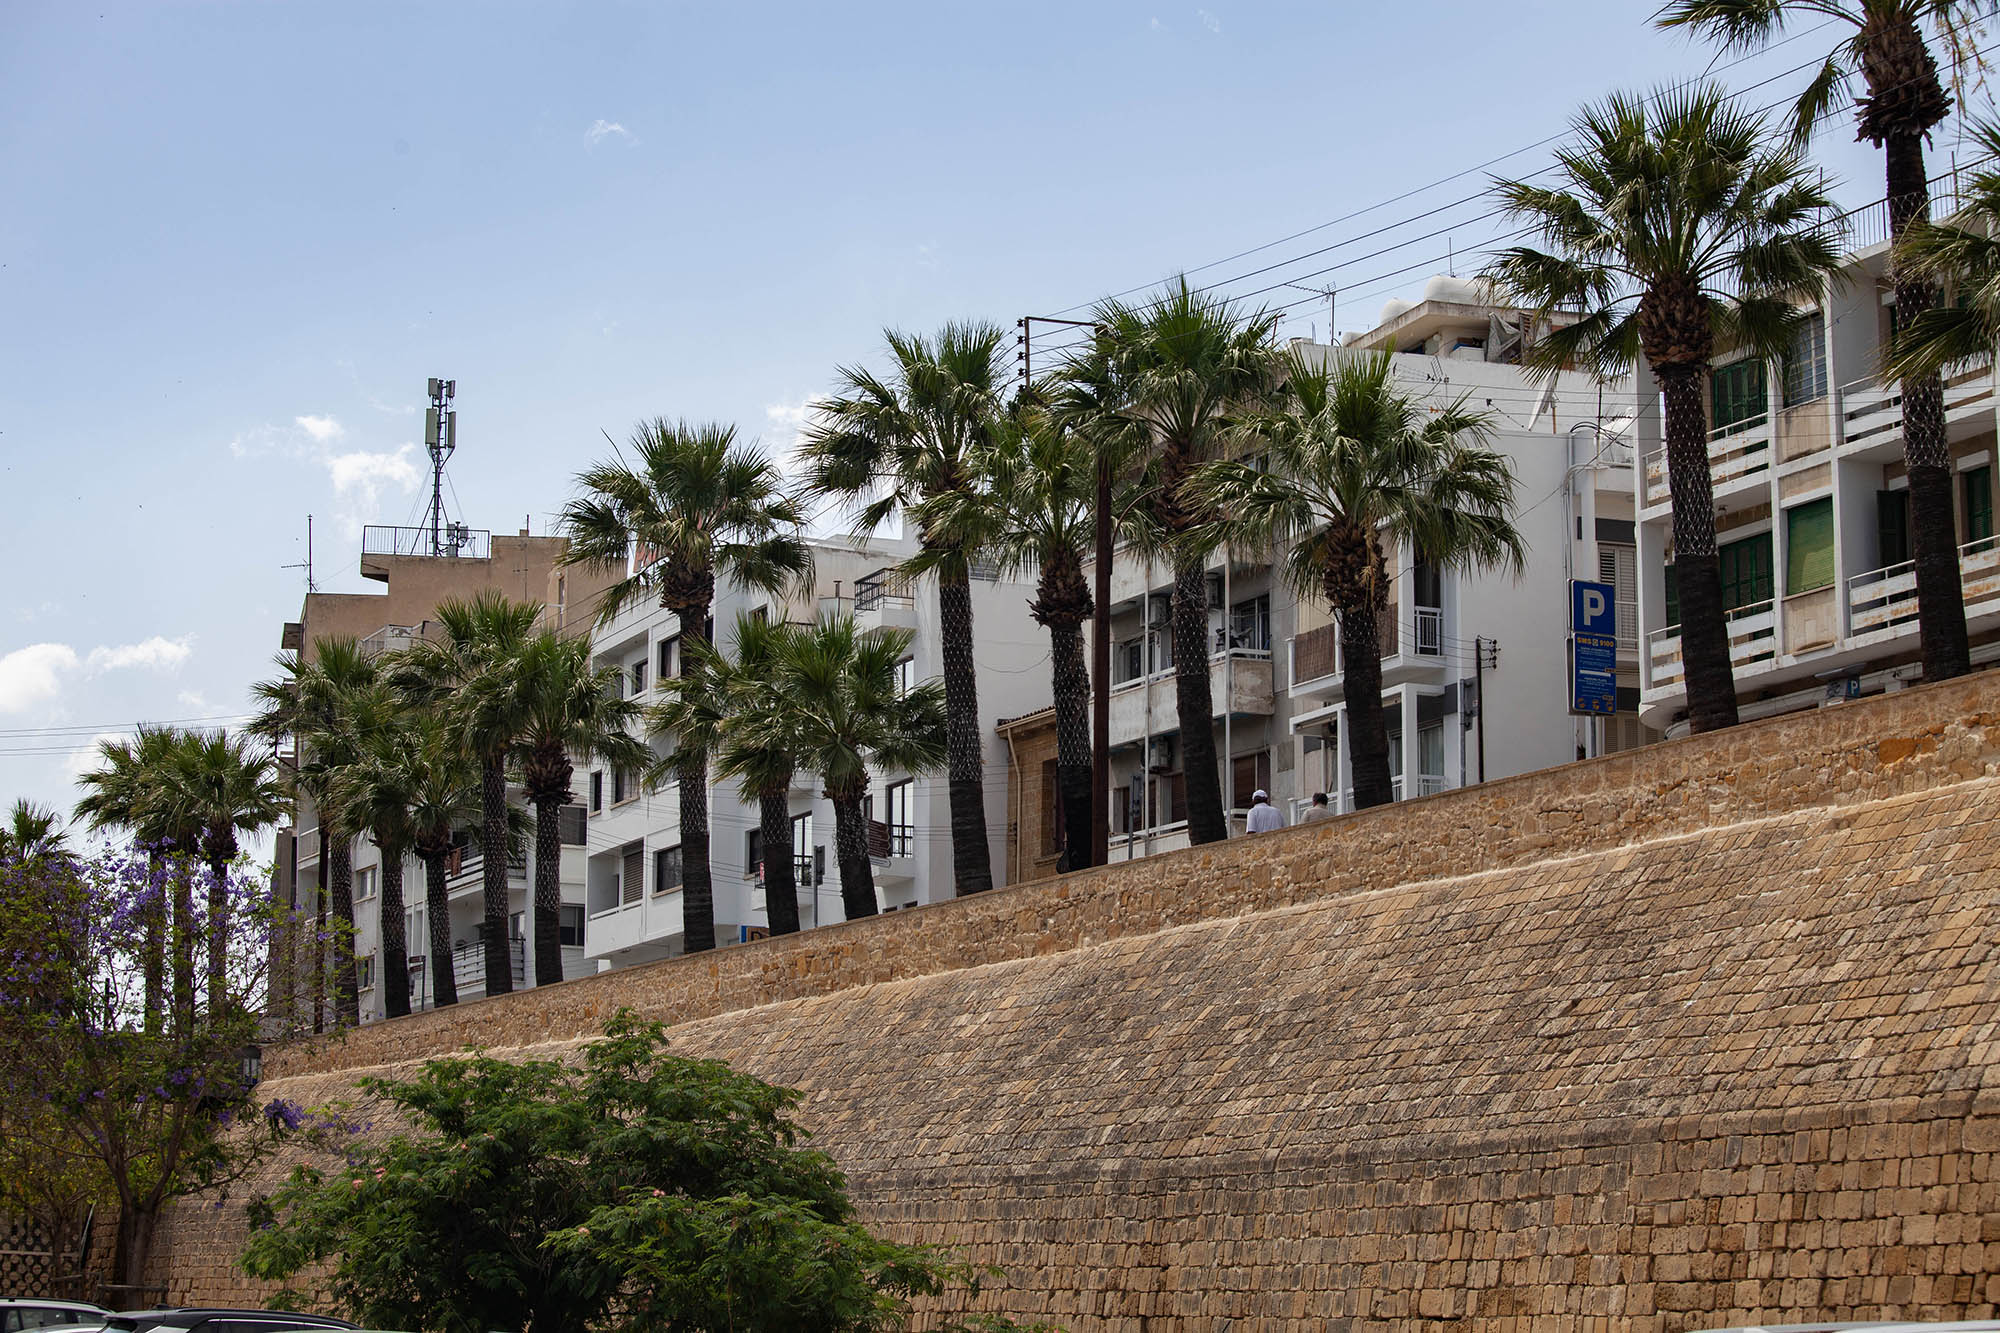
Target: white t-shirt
x,y
1264,817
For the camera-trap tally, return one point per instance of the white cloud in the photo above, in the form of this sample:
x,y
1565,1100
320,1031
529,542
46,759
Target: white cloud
x,y
1158,26
1208,20
195,702
600,130
33,676
154,654
360,478
85,759
321,429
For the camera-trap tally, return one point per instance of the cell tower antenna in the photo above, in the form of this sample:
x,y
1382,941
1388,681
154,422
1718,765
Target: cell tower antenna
x,y
312,586
441,441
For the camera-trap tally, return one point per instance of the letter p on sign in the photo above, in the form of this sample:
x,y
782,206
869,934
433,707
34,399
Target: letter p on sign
x,y
1591,608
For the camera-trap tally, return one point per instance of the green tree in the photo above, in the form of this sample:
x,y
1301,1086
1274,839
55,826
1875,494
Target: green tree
x,y
686,721
481,639
1355,459
33,833
375,795
901,443
125,791
759,747
631,1189
566,710
841,710
1190,370
223,786
331,705
690,507
1681,228
1883,45
444,797
1961,255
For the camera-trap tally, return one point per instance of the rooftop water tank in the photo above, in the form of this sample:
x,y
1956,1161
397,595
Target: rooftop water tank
x,y
1392,309
1457,291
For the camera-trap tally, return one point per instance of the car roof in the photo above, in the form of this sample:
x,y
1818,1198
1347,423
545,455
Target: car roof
x,y
51,1303
1878,1325
194,1314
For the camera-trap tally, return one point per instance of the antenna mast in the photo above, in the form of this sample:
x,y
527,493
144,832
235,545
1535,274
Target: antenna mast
x,y
441,440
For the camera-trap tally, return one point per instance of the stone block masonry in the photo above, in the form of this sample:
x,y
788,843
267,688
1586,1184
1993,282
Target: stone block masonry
x,y
1694,1035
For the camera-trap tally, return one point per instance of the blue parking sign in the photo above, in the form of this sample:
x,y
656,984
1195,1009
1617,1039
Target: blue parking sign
x,y
1593,648
1593,609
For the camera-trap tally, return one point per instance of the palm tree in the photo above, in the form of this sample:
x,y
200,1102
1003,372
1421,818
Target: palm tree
x,y
1189,368
222,786
1962,254
691,507
841,710
375,795
759,746
331,706
1044,486
901,443
1680,229
1354,460
125,791
481,638
687,721
566,710
1905,99
34,834
443,797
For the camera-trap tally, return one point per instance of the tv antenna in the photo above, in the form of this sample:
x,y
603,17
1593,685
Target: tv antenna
x,y
307,563
441,441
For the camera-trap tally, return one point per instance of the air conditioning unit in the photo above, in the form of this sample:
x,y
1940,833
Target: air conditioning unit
x,y
1160,754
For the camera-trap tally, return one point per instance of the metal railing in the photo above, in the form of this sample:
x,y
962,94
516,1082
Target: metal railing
x,y
890,840
1430,631
885,587
453,540
468,964
1753,639
1317,654
1871,412
1882,602
389,639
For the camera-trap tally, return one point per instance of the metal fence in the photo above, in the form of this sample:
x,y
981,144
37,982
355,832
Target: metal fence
x,y
453,540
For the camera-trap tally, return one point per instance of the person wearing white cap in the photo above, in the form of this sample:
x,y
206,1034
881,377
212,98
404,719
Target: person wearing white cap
x,y
1264,817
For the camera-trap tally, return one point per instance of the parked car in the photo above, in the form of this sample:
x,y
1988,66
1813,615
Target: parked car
x,y
18,1316
1877,1325
201,1319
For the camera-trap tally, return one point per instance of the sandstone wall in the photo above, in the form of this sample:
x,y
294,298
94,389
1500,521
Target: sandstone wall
x,y
1688,1036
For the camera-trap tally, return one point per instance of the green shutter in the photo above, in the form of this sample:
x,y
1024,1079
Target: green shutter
x,y
1746,571
1673,596
1977,484
1736,393
1809,546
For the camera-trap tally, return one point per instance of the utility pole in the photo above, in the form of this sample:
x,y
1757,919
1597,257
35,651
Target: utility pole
x,y
1480,650
307,563
440,440
1100,612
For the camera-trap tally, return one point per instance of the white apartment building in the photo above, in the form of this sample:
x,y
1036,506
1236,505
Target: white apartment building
x,y
1812,512
633,867
1275,664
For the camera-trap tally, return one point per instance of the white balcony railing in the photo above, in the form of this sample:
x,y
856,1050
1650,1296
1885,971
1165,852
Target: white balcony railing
x,y
1736,450
1871,412
1882,603
1753,638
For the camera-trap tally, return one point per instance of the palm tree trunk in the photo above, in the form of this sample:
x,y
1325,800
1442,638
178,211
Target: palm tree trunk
x,y
493,876
697,876
155,961
781,888
319,939
1100,664
222,846
1705,666
183,931
339,858
1074,761
395,944
850,849
1361,687
1195,704
548,888
971,856
437,913
1926,450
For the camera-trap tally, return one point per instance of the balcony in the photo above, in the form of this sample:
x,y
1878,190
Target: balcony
x,y
468,967
1882,604
451,540
1737,451
1871,412
390,639
1753,642
465,869
1318,665
1239,683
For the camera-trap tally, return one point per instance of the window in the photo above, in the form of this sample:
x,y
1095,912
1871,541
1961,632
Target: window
x,y
1809,546
597,791
1805,362
1673,595
620,788
570,825
571,929
632,873
639,676
1426,584
364,970
1976,507
1619,566
670,659
760,615
1052,809
802,847
364,883
1249,773
1430,756
897,811
666,869
562,591
753,851
1131,660
1736,394
906,676
1250,624
1746,571
1892,527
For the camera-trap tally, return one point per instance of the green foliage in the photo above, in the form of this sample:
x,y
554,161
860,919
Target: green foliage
x,y
632,1189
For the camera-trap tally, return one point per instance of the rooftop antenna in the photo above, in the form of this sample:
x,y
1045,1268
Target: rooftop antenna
x,y
307,563
441,440
1332,295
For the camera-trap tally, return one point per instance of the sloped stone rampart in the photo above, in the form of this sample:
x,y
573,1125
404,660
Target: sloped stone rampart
x,y
1696,1036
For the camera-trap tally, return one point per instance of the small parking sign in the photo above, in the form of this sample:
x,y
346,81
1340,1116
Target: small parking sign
x,y
1593,609
1593,656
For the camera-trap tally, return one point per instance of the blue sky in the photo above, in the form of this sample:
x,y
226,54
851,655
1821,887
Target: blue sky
x,y
237,238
